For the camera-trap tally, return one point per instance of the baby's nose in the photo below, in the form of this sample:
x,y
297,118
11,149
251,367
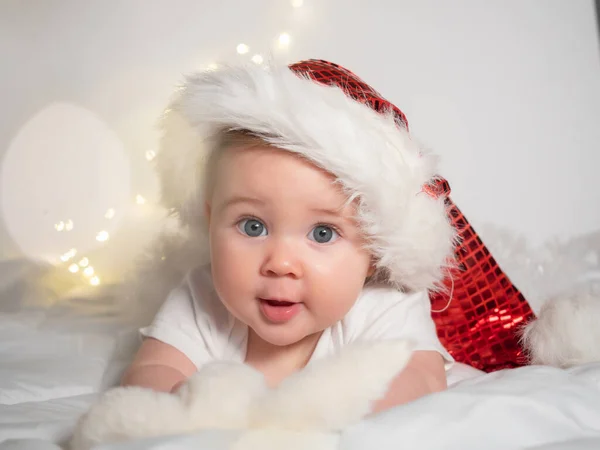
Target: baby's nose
x,y
282,259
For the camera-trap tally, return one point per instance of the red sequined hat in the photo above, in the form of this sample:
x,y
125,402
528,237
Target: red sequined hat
x,y
330,116
479,324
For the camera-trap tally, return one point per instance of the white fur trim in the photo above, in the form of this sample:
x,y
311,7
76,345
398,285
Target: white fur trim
x,y
566,333
374,158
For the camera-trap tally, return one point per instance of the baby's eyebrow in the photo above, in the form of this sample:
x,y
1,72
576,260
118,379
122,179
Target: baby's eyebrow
x,y
235,200
329,211
339,213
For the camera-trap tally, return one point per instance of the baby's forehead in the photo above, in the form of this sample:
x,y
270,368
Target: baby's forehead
x,y
247,157
271,171
246,144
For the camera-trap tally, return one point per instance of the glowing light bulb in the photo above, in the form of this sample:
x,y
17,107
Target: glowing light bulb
x,y
257,59
59,226
73,268
110,213
242,49
284,40
94,281
69,225
150,155
88,271
84,262
140,200
102,236
297,3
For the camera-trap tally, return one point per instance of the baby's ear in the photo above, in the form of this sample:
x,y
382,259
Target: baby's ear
x,y
333,393
371,270
372,267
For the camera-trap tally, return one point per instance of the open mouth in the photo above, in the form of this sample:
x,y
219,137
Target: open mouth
x,y
279,311
277,302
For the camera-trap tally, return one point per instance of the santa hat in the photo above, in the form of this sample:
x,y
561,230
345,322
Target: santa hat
x,y
368,150
420,239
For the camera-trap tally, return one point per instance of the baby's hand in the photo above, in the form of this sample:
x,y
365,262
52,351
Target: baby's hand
x,y
178,385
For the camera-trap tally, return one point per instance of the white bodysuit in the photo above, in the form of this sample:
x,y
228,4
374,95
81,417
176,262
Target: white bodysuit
x,y
194,321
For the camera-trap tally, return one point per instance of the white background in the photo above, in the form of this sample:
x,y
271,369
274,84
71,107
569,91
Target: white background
x,y
507,92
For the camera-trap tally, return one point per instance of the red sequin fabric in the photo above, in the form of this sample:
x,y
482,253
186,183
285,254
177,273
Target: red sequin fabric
x,y
479,316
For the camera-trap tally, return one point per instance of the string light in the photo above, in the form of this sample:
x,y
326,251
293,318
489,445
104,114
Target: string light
x,y
284,40
102,236
64,226
67,256
150,155
88,271
242,49
84,263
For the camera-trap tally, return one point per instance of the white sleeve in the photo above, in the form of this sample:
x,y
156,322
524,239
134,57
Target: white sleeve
x,y
179,323
385,313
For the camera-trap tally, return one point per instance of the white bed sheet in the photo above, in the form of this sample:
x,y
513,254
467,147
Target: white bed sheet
x,y
55,361
52,366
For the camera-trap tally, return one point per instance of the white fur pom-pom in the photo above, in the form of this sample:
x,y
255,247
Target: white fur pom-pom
x,y
566,332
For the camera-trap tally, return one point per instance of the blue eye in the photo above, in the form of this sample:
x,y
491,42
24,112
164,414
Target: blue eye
x,y
252,227
322,234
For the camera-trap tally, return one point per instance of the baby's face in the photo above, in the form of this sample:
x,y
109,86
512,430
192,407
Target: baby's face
x,y
286,253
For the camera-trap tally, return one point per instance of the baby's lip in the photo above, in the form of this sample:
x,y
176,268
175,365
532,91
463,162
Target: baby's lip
x,y
279,310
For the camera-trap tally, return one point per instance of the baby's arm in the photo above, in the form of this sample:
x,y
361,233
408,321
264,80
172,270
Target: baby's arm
x,y
158,366
423,375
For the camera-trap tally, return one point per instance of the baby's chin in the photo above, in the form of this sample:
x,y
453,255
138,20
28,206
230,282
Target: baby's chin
x,y
284,338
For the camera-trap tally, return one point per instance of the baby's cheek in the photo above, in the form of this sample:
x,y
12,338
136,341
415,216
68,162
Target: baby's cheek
x,y
332,299
231,265
223,261
337,285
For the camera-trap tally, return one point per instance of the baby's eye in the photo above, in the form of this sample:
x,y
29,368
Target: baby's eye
x,y
323,234
252,227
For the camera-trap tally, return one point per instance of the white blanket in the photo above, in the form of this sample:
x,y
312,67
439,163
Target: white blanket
x,y
54,361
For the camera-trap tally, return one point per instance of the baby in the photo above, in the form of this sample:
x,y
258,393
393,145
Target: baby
x,y
313,204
